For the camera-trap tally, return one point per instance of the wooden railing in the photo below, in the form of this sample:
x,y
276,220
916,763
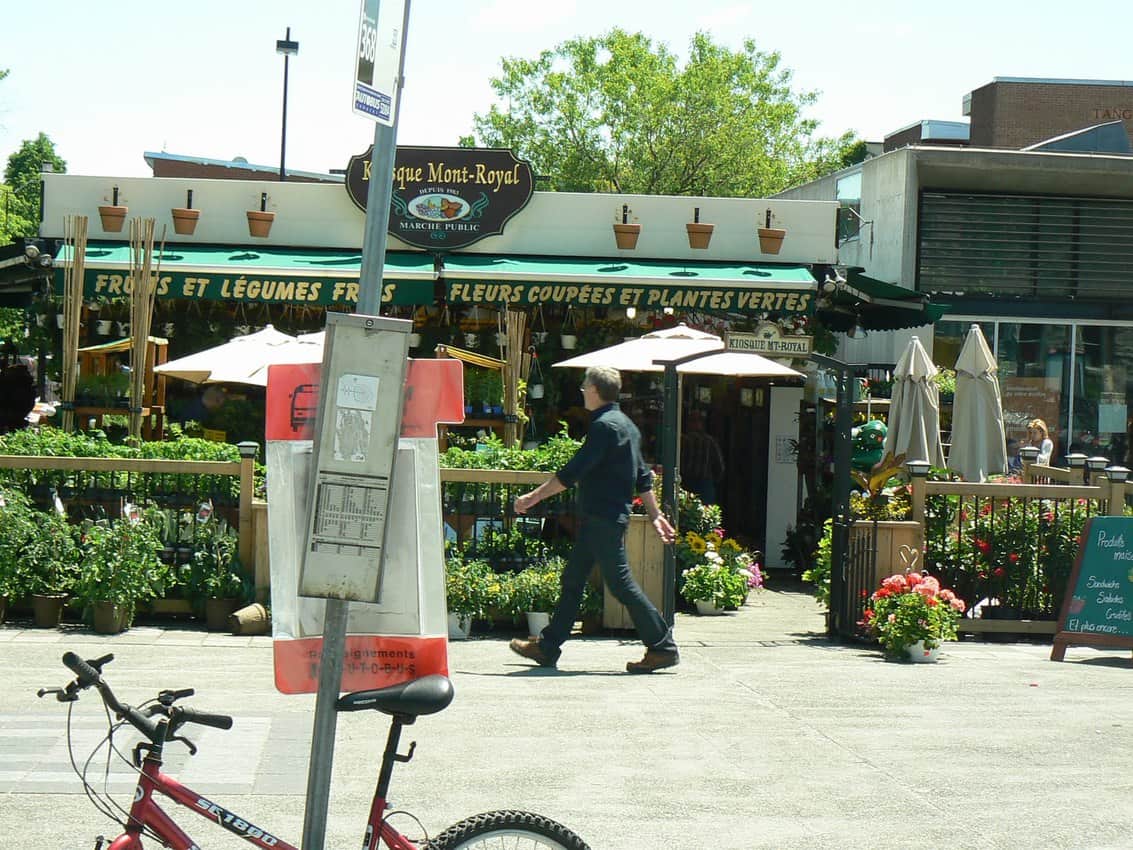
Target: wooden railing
x,y
72,468
977,522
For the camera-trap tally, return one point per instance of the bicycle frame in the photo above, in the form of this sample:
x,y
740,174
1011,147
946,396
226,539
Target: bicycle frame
x,y
146,813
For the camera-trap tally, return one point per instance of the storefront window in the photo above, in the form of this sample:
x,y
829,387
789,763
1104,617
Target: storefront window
x,y
1034,374
1102,388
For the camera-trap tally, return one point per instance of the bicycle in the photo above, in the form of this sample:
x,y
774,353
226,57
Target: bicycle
x,y
160,719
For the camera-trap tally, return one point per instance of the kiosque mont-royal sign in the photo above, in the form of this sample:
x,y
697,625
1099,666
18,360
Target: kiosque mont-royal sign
x,y
446,198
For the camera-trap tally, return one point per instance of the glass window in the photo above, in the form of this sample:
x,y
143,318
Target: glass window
x,y
849,194
1034,376
1102,387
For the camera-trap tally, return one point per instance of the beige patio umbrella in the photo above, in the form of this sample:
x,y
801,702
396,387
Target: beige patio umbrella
x,y
241,360
914,410
979,448
638,355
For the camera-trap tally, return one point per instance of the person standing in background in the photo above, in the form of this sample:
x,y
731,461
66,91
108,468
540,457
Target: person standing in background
x,y
1038,436
702,462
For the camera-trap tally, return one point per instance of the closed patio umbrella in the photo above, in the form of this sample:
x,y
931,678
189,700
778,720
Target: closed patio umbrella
x,y
914,411
979,448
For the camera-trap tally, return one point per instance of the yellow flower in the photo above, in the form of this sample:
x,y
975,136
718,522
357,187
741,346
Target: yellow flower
x,y
730,545
696,543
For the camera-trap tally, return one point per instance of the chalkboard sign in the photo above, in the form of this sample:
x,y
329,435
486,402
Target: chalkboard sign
x,y
1098,607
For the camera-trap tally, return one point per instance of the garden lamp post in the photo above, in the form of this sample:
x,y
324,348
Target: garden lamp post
x,y
288,48
1094,465
1077,461
918,472
1117,476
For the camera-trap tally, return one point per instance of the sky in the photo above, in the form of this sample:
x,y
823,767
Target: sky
x,y
109,81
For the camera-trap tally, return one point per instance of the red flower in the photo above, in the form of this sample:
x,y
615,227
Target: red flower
x,y
930,601
1013,557
983,546
985,510
999,572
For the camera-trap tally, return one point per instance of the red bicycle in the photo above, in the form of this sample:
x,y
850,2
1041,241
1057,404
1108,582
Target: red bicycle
x,y
159,720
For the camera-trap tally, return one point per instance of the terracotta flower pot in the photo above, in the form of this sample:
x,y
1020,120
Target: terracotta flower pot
x,y
217,612
699,235
112,217
259,222
771,239
185,220
626,236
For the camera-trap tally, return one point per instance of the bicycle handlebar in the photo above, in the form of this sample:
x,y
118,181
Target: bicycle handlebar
x,y
88,674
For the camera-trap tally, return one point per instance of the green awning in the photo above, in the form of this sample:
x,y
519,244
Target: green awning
x,y
260,275
879,306
649,284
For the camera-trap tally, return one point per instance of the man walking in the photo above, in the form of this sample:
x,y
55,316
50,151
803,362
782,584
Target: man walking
x,y
609,471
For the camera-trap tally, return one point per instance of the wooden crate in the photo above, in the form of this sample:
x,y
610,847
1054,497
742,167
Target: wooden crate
x,y
646,555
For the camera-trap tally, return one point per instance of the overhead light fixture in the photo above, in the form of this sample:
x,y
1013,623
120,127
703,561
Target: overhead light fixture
x,y
631,313
856,330
832,282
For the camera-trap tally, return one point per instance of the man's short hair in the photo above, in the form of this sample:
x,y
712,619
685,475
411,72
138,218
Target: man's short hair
x,y
606,380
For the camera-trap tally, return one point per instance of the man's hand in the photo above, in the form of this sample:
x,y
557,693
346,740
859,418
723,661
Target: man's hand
x,y
664,528
525,503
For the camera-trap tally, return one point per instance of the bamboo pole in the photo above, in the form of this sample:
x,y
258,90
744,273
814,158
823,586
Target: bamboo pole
x,y
514,371
143,274
75,238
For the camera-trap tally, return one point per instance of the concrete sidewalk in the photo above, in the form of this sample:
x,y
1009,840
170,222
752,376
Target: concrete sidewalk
x,y
766,736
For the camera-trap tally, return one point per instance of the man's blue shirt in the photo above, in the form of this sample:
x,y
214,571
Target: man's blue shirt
x,y
608,468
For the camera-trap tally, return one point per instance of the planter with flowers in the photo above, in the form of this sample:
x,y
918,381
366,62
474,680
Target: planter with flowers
x,y
467,594
911,615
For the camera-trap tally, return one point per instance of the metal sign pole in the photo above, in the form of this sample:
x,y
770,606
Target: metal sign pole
x,y
334,620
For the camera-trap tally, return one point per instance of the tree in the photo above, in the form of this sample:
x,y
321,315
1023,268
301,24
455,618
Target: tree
x,y
19,215
617,113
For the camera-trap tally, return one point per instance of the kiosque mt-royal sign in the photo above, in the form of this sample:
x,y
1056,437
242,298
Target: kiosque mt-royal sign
x,y
446,198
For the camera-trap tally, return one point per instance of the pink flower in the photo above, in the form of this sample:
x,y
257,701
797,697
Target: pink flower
x,y
913,579
957,604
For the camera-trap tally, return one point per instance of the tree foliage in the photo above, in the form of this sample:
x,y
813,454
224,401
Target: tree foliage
x,y
20,211
618,113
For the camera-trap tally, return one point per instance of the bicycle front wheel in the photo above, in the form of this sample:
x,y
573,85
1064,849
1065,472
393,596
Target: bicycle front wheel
x,y
520,830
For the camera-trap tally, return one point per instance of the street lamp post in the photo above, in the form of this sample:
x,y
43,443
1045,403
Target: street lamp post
x,y
288,48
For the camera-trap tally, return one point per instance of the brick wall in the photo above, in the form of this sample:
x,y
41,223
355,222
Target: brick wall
x,y
1015,115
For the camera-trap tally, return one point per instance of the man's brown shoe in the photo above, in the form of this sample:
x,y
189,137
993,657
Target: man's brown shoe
x,y
531,649
654,659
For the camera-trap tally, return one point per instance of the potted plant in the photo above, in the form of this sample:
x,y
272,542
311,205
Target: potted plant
x,y
260,221
699,234
216,583
120,568
466,594
535,593
112,215
911,615
713,588
770,238
568,335
47,556
185,218
625,231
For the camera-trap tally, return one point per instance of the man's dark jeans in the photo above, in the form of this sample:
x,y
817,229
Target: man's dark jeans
x,y
603,541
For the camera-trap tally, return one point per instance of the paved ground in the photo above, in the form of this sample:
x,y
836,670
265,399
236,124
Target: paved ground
x,y
767,736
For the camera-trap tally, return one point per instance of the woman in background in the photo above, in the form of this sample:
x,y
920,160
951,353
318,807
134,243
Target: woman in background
x,y
1038,436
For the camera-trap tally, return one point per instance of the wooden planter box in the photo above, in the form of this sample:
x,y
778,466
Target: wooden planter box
x,y
646,555
900,547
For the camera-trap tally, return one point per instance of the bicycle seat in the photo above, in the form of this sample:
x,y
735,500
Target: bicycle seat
x,y
426,695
